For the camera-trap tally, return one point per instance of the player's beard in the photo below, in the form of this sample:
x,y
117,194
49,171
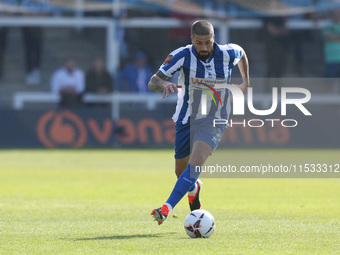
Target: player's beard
x,y
205,56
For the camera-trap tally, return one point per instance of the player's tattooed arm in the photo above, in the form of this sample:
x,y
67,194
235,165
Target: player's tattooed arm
x,y
159,82
162,76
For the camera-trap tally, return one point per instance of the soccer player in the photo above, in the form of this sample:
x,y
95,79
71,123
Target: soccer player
x,y
196,138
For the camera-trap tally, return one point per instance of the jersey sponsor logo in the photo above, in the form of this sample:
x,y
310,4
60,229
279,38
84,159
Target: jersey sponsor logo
x,y
167,60
200,82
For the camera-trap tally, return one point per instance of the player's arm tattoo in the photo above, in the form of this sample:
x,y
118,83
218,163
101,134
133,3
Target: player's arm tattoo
x,y
162,76
158,81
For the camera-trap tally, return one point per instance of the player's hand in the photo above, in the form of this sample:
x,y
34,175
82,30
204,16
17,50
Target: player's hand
x,y
170,87
243,87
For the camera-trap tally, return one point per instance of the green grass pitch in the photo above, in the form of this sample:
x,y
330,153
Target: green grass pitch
x,y
99,202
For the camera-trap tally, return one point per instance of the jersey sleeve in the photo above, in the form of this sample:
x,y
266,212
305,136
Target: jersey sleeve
x,y
235,52
173,62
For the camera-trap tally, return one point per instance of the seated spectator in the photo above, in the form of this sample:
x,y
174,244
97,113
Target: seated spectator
x,y
135,77
98,79
69,82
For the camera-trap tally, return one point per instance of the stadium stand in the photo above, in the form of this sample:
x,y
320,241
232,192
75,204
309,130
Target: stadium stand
x,y
150,17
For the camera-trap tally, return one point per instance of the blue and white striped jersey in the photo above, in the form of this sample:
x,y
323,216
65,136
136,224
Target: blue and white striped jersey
x,y
194,73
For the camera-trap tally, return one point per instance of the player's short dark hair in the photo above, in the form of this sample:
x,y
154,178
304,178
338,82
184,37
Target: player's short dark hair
x,y
202,27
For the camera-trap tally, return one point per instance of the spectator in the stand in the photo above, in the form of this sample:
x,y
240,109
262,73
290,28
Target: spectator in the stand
x,y
123,36
276,38
33,39
298,37
32,36
69,83
135,77
332,49
332,46
98,79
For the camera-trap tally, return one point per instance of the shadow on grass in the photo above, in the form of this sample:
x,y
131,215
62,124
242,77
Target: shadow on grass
x,y
121,237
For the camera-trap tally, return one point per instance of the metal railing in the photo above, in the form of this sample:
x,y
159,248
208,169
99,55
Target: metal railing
x,y
151,100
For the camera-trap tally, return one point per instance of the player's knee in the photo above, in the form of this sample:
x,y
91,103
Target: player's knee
x,y
198,158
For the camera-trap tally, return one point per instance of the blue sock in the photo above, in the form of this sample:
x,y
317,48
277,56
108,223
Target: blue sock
x,y
184,183
191,188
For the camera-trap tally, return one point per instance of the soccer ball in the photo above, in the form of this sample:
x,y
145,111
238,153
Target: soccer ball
x,y
199,224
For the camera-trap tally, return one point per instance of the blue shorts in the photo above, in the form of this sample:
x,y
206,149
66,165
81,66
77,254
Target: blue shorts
x,y
197,130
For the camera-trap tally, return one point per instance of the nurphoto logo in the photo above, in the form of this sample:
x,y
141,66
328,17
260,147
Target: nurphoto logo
x,y
239,103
